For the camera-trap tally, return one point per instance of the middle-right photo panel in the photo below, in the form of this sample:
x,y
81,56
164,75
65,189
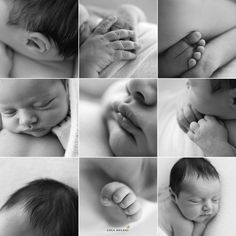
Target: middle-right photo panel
x,y
196,117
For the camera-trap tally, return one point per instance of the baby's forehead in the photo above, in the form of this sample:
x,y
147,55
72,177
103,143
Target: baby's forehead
x,y
192,184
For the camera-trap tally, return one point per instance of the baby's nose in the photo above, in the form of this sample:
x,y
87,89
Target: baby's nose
x,y
207,206
144,90
27,119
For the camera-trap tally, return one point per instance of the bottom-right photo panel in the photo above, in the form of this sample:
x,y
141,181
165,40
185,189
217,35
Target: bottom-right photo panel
x,y
196,196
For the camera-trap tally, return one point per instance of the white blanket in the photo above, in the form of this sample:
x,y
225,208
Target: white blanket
x,y
72,146
145,65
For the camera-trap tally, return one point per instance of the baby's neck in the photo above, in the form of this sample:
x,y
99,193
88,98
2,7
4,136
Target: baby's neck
x,y
50,69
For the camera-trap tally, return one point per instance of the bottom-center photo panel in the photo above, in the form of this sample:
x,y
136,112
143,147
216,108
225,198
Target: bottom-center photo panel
x,y
118,196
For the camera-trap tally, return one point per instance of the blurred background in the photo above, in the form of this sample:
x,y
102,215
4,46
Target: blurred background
x,y
149,6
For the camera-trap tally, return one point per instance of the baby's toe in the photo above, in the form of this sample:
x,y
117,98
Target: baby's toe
x,y
191,63
127,201
197,55
201,42
194,126
120,194
193,37
200,49
133,209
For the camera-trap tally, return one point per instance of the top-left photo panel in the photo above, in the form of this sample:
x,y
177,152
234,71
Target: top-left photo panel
x,y
39,39
118,39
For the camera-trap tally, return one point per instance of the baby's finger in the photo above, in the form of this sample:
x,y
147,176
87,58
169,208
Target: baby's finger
x,y
206,117
105,25
119,34
125,45
124,55
188,113
182,121
197,114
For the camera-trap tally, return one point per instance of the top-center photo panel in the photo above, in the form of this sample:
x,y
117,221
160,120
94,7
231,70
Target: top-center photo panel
x,y
118,39
196,39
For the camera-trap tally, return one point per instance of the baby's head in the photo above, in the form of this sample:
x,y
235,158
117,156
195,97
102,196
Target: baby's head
x,y
43,207
33,106
195,188
132,117
213,97
40,29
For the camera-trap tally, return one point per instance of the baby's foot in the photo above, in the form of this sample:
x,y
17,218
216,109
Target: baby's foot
x,y
123,197
182,56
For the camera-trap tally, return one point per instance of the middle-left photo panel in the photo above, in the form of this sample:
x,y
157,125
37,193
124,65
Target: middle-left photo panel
x,y
38,117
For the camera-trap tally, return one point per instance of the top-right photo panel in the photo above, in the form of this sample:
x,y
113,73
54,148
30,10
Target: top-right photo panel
x,y
196,39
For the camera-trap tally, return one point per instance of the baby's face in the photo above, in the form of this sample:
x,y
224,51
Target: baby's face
x,y
220,103
14,222
132,121
199,198
32,106
83,15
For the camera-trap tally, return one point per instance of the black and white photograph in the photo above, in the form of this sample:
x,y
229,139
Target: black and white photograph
x,y
118,117
39,196
118,39
38,117
196,39
196,117
118,196
39,39
195,196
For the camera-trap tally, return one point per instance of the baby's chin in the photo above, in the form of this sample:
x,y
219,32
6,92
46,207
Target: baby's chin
x,y
38,134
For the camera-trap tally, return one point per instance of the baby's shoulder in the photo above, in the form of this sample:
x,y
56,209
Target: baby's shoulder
x,y
24,67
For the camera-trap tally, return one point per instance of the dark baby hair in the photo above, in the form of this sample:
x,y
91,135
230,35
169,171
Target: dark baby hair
x,y
55,19
199,167
217,84
52,207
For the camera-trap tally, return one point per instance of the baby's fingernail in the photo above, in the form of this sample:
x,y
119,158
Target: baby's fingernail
x,y
106,201
112,18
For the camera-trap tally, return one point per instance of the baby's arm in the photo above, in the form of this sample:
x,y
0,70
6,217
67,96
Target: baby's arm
x,y
102,48
218,52
6,55
211,136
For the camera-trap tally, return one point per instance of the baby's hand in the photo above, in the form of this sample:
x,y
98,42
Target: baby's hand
x,y
187,114
102,48
208,134
6,55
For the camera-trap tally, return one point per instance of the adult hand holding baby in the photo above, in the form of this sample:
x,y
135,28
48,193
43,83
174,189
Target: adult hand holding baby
x,y
6,55
104,46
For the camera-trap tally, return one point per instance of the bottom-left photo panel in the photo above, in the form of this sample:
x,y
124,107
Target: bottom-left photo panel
x,y
39,196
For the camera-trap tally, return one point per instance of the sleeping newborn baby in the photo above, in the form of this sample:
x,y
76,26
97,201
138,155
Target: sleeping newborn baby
x,y
33,106
193,199
103,42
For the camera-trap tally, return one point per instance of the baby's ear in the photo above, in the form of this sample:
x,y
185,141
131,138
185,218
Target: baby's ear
x,y
37,42
172,194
